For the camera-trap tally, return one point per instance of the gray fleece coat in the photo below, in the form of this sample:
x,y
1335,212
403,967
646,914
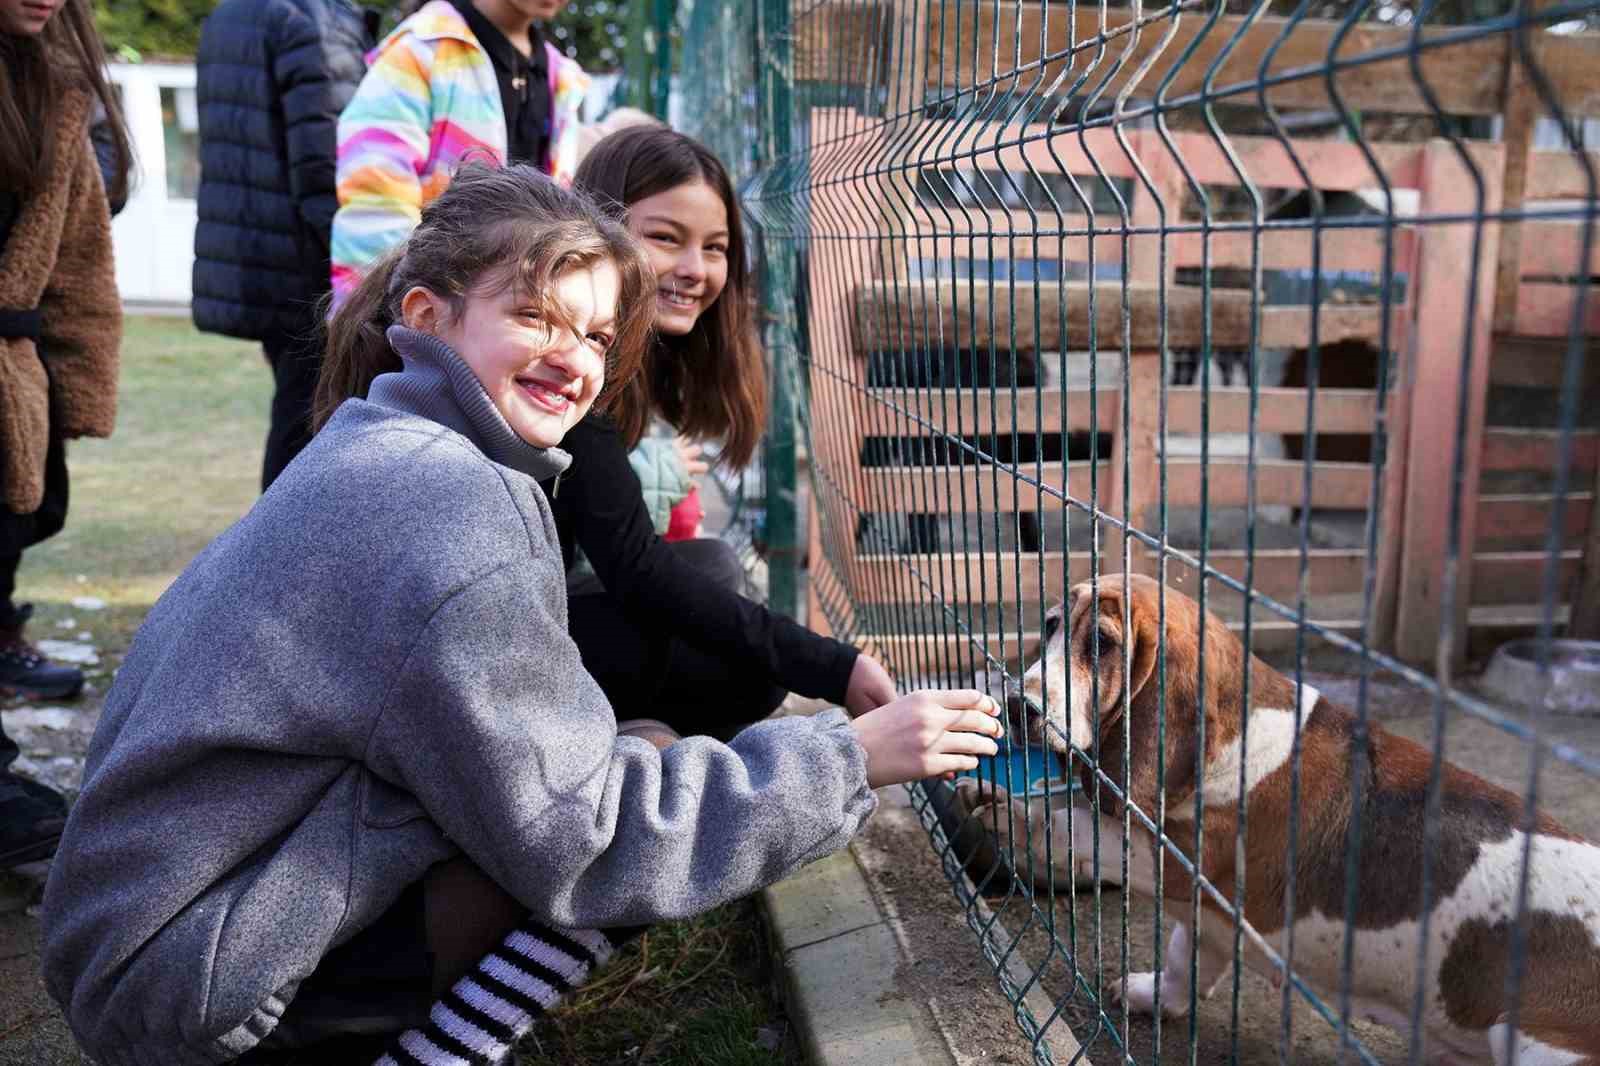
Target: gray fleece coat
x,y
368,674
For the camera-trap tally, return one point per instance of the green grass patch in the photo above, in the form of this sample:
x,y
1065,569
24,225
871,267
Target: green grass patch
x,y
693,993
183,464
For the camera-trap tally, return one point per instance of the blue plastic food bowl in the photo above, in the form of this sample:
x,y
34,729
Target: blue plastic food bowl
x,y
1020,767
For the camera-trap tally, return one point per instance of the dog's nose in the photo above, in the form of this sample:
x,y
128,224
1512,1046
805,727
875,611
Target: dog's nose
x,y
1017,712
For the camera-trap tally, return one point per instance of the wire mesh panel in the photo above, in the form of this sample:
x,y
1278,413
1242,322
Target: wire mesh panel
x,y
1209,382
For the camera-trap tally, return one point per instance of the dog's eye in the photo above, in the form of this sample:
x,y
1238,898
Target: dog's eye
x,y
1106,639
1052,623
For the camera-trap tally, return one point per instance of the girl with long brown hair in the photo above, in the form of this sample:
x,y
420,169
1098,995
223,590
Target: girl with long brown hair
x,y
403,805
60,330
660,624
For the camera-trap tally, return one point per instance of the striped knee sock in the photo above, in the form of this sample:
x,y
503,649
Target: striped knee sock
x,y
485,1013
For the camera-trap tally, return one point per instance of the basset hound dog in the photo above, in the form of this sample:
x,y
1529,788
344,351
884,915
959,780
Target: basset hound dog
x,y
1479,836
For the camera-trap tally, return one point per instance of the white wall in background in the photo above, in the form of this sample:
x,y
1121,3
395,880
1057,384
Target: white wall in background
x,y
154,234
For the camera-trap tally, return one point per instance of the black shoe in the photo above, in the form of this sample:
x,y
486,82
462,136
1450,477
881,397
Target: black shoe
x,y
31,819
25,672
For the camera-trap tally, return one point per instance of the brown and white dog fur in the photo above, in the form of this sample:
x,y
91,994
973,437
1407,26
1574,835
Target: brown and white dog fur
x,y
1476,865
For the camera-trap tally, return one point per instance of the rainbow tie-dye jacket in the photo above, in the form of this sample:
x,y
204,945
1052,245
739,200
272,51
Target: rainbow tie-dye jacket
x,y
429,102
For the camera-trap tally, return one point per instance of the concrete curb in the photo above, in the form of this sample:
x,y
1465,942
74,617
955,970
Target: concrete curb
x,y
840,954
839,958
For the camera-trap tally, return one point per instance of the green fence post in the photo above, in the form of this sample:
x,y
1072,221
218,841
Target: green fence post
x,y
638,59
666,13
775,95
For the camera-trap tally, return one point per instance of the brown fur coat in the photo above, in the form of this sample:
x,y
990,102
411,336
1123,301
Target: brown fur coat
x,y
58,259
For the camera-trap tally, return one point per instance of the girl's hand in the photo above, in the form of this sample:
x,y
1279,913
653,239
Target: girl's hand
x,y
870,687
689,455
927,734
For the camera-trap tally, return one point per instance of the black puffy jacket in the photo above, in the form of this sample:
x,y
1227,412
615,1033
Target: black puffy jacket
x,y
273,76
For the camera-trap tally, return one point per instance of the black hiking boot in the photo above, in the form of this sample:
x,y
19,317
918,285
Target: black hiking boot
x,y
25,672
31,819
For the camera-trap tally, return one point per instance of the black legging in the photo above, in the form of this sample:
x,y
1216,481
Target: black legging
x,y
646,672
295,365
8,585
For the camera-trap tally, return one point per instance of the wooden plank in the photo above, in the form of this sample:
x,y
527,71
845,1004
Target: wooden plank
x,y
946,490
849,40
969,577
966,412
1136,491
1342,249
1507,448
955,314
1528,515
841,39
1518,577
1555,249
962,412
976,235
953,654
1540,362
1392,492
818,570
906,80
1545,310
1559,175
1570,62
1585,621
1279,410
1467,76
834,268
1491,625
1337,165
1521,115
1446,272
1335,486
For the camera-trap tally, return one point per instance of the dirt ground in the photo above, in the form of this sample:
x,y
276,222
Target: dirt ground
x,y
942,931
947,967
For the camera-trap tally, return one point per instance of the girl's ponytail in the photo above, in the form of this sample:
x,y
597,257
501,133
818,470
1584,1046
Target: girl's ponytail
x,y
358,346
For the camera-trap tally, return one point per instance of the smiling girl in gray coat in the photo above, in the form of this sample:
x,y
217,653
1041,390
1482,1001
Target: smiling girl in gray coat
x,y
352,777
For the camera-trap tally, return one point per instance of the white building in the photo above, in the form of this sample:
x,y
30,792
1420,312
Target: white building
x,y
154,234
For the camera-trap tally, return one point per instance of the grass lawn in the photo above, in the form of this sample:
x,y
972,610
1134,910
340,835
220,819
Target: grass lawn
x,y
185,463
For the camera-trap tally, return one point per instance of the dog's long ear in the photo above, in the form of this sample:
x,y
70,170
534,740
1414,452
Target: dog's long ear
x,y
1144,645
1139,634
1139,762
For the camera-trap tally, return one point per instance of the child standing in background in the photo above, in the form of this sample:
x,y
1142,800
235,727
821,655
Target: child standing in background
x,y
456,80
60,334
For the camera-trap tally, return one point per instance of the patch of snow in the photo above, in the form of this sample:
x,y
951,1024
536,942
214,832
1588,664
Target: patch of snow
x,y
68,651
41,718
89,603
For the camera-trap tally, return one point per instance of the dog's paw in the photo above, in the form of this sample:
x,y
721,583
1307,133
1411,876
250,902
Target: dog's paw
x,y
1141,996
973,795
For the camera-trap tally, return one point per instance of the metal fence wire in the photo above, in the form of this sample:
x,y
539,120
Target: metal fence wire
x,y
1286,307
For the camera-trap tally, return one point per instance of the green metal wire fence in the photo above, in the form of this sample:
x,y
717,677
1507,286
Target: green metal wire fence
x,y
1284,305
